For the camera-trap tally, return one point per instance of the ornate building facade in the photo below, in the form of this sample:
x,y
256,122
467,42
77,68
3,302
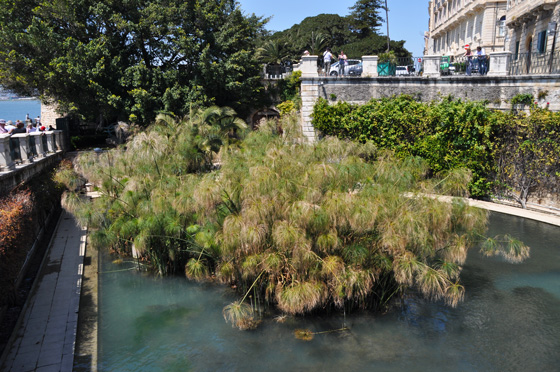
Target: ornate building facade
x,y
532,26
456,23
519,26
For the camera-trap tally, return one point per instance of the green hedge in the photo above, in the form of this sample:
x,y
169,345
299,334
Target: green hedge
x,y
448,134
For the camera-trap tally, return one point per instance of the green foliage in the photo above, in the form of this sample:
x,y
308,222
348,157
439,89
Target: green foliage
x,y
286,107
388,57
522,99
130,60
339,33
289,87
450,134
365,16
302,227
542,94
526,152
272,51
513,155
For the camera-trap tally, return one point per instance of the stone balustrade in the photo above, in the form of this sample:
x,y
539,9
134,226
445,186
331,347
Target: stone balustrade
x,y
25,148
499,65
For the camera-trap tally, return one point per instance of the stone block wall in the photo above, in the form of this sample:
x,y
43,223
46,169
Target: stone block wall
x,y
49,115
497,91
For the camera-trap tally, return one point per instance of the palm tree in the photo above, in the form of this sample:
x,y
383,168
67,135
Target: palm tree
x,y
272,52
317,43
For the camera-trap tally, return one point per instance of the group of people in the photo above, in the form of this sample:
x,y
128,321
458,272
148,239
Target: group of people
x,y
19,126
477,59
328,58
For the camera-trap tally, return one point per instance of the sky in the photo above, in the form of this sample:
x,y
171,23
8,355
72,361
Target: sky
x,y
408,19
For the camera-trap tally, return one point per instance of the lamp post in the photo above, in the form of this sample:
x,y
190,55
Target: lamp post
x,y
387,20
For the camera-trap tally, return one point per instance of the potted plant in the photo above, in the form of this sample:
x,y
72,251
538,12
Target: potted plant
x,y
387,64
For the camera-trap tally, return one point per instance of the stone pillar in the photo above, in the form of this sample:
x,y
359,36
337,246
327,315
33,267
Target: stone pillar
x,y
499,63
370,66
6,161
431,66
24,149
309,95
50,142
39,149
309,66
58,140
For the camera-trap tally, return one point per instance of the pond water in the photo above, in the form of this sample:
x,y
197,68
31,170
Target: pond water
x,y
509,321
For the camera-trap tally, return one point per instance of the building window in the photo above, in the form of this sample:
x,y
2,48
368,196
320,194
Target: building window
x,y
502,27
516,55
541,42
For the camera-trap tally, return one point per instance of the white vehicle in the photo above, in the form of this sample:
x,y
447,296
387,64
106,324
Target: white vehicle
x,y
353,67
403,71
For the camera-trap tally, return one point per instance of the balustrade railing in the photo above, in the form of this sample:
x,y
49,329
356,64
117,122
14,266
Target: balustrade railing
x,y
25,148
535,63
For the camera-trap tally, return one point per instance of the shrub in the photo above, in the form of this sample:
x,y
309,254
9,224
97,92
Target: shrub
x,y
450,134
22,212
522,99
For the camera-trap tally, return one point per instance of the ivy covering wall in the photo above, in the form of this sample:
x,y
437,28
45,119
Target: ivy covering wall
x,y
507,152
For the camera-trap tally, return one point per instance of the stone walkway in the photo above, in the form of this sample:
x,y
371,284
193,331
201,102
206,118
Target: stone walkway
x,y
44,338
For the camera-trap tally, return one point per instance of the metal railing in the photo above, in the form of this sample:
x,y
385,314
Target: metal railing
x,y
535,63
475,65
404,67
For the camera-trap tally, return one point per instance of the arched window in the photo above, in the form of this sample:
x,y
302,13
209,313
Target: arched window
x,y
502,27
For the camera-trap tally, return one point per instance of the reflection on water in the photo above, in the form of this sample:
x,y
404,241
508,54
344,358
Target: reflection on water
x,y
509,321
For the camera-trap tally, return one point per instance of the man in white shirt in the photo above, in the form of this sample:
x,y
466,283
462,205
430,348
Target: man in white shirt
x,y
327,58
482,62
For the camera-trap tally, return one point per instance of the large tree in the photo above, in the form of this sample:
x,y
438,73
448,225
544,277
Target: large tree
x,y
365,16
128,60
338,33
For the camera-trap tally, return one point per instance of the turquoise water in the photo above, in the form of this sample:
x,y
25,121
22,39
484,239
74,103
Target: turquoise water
x,y
509,321
17,109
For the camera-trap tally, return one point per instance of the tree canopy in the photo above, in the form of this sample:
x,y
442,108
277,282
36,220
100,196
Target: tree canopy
x,y
129,60
365,16
339,33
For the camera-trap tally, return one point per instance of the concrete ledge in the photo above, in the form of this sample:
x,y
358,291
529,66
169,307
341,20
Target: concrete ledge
x,y
24,172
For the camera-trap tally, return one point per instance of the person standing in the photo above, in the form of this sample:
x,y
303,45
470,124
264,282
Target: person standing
x,y
31,128
342,61
482,60
327,59
468,61
10,126
3,129
20,128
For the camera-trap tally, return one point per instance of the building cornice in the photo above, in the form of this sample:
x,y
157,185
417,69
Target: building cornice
x,y
527,11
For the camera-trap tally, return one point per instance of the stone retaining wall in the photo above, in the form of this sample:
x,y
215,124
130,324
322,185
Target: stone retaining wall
x,y
497,91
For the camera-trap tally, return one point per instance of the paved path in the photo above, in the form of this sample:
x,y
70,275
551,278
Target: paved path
x,y
44,339
548,216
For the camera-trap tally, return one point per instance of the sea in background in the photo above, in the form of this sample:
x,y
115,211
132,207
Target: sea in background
x,y
14,109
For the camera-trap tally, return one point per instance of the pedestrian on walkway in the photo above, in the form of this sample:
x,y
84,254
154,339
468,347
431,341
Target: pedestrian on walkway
x,y
482,60
327,59
468,60
3,129
342,61
20,128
